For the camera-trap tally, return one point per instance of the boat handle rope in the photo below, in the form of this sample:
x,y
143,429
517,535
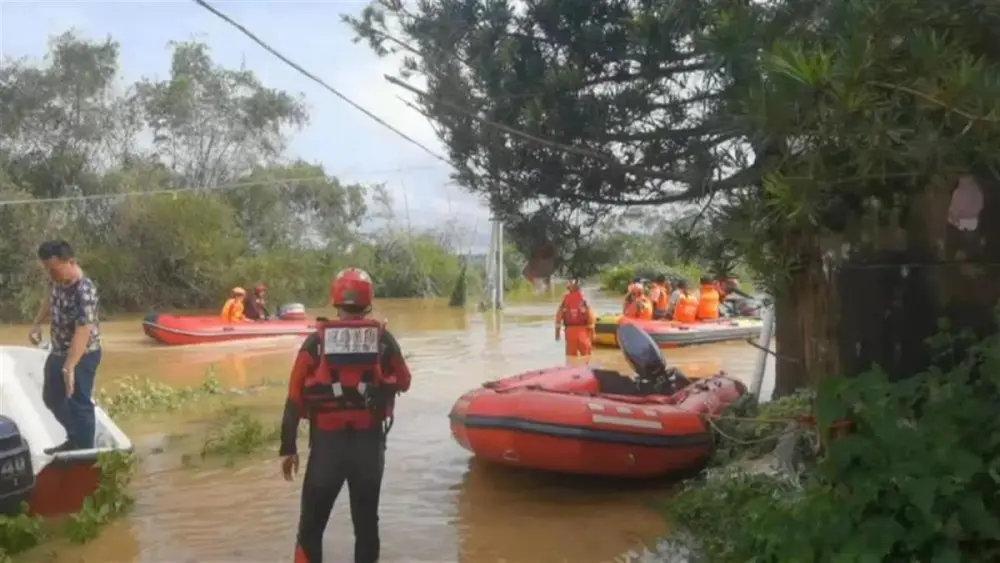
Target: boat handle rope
x,y
773,353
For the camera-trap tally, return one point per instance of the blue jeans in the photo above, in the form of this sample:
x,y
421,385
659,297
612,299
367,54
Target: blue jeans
x,y
75,413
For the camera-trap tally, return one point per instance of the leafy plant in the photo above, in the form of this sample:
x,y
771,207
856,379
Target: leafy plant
x,y
109,501
916,479
133,395
239,433
19,532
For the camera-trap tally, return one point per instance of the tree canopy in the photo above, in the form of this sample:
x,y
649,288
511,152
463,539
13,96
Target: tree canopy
x,y
787,114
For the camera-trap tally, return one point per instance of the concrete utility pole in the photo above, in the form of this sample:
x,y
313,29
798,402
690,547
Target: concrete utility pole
x,y
495,267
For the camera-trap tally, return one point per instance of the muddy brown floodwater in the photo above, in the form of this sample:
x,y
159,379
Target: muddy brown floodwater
x,y
438,504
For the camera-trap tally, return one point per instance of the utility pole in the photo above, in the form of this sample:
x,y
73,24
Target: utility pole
x,y
495,267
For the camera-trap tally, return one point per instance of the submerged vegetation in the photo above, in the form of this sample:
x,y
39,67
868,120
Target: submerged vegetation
x,y
238,433
133,395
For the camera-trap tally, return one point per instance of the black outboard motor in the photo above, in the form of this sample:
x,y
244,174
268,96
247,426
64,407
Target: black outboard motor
x,y
16,476
644,356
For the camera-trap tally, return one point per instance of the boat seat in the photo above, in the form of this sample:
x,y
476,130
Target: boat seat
x,y
614,383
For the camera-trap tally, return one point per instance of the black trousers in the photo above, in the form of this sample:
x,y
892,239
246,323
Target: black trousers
x,y
357,457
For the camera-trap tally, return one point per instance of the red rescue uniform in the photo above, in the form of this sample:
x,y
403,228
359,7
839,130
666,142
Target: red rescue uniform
x,y
344,381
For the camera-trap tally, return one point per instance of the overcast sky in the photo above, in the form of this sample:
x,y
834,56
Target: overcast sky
x,y
347,143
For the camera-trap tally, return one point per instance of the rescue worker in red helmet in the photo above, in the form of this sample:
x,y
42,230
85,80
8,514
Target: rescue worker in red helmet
x,y
344,381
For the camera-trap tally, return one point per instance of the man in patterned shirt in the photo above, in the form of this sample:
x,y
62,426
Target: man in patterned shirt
x,y
70,369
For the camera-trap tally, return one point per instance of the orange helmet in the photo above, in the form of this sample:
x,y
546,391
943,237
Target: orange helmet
x,y
352,287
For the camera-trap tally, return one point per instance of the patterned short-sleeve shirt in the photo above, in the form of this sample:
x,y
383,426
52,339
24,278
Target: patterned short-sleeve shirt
x,y
73,306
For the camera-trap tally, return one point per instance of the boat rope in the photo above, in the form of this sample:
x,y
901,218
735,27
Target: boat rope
x,y
741,441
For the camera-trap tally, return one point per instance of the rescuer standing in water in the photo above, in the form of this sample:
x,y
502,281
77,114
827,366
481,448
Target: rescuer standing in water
x,y
344,380
579,319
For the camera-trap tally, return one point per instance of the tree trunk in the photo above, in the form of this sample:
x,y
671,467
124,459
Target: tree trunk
x,y
876,293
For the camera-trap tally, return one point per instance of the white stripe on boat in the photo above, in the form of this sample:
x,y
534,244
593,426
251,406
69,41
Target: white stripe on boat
x,y
622,421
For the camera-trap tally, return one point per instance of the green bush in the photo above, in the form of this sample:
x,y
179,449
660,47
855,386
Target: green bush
x,y
110,501
19,532
916,479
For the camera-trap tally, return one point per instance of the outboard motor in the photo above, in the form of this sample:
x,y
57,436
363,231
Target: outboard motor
x,y
16,477
645,358
292,312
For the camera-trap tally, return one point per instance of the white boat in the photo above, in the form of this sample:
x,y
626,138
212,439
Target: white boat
x,y
62,480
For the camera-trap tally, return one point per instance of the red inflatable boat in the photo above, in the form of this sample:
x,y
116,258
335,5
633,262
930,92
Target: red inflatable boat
x,y
671,334
588,421
175,330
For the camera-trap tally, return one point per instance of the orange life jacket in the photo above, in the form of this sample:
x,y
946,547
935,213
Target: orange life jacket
x,y
708,303
640,308
232,311
686,309
348,388
575,309
660,295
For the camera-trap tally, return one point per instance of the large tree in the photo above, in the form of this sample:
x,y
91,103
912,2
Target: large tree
x,y
62,121
808,129
212,124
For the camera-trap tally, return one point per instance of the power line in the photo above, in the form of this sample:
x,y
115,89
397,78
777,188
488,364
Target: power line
x,y
318,80
97,197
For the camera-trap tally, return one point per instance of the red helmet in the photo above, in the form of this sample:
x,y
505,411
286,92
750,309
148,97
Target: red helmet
x,y
352,287
260,288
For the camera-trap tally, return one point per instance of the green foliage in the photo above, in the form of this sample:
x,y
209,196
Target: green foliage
x,y
749,430
916,479
213,124
296,206
20,532
109,501
238,433
617,278
719,512
132,395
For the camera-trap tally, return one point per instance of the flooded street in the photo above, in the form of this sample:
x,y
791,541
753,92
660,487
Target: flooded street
x,y
437,503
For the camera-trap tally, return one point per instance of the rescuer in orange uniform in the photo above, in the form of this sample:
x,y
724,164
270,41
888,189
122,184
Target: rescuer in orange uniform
x,y
708,300
232,310
639,306
685,305
660,296
579,319
344,381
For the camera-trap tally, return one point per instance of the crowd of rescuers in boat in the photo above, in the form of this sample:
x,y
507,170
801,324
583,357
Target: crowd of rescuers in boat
x,y
660,301
242,306
578,319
